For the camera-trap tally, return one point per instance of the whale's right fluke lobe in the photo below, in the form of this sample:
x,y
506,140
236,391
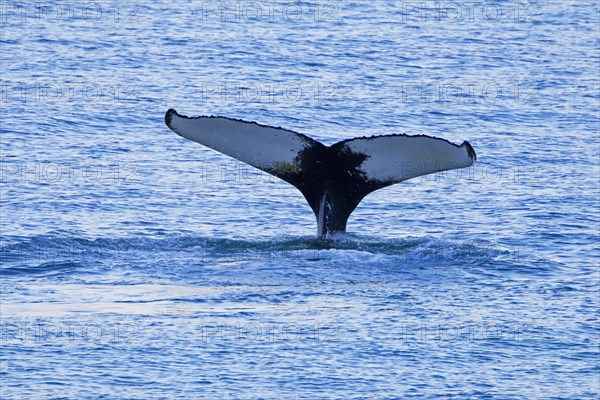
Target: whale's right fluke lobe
x,y
363,165
332,179
393,159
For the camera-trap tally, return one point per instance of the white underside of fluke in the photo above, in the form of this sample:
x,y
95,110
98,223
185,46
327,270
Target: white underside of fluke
x,y
258,145
401,157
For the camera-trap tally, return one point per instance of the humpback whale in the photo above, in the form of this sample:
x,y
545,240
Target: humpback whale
x,y
333,179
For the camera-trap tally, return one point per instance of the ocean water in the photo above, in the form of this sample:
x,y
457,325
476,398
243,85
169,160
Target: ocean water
x,y
136,264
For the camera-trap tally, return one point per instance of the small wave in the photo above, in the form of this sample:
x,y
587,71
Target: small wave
x,y
50,253
49,268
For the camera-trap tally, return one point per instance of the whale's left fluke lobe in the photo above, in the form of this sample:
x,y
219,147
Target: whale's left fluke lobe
x,y
332,179
271,149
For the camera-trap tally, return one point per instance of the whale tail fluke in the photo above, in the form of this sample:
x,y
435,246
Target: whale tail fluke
x,y
333,179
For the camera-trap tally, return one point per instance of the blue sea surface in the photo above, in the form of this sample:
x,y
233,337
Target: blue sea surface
x,y
139,265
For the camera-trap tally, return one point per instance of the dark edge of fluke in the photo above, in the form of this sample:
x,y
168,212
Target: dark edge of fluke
x,y
169,115
171,112
470,150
